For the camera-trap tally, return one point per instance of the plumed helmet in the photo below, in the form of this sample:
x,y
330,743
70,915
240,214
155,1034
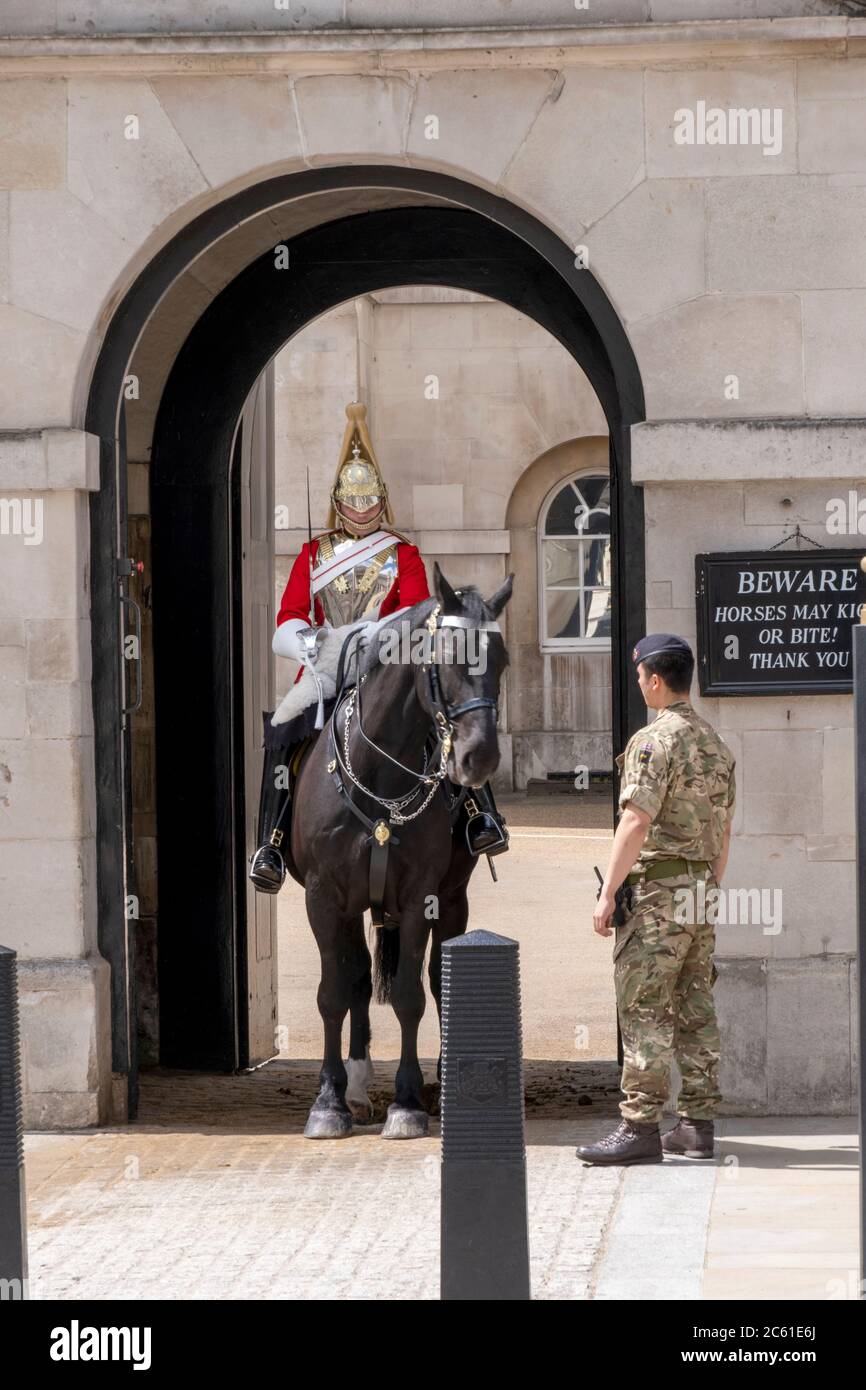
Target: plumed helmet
x,y
358,485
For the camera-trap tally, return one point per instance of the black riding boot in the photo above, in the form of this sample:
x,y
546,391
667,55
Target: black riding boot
x,y
485,823
267,866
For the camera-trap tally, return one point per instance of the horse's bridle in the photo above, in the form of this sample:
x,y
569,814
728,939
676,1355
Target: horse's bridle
x,y
443,722
437,699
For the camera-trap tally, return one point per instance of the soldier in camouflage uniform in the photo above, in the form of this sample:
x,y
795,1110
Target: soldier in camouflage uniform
x,y
676,801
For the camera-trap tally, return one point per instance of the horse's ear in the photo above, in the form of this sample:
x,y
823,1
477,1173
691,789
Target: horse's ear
x,y
501,597
444,592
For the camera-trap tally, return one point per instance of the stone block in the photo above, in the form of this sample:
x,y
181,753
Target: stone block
x,y
837,773
585,149
808,1036
831,135
65,1037
59,709
87,17
731,450
768,865
33,122
769,235
46,788
49,460
763,88
40,367
133,184
648,251
667,10
13,705
765,813
559,394
783,712
834,327
261,128
352,115
703,513
482,508
800,501
67,288
755,339
741,1006
438,504
787,763
54,649
48,891
436,14
49,580
476,119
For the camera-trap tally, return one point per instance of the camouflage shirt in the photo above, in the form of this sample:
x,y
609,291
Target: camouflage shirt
x,y
681,773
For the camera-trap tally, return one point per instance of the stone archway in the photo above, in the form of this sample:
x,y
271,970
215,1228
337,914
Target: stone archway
x,y
421,228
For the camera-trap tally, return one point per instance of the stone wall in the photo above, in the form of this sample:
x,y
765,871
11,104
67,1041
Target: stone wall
x,y
47,788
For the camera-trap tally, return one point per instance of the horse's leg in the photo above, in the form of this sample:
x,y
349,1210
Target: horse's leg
x,y
359,1066
407,1116
330,1116
452,920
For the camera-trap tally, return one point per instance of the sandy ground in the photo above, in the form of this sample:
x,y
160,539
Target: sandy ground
x,y
544,900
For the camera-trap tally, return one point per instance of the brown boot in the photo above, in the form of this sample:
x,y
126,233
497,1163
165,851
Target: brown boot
x,y
690,1139
630,1142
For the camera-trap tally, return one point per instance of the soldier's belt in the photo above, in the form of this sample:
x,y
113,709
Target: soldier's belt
x,y
669,868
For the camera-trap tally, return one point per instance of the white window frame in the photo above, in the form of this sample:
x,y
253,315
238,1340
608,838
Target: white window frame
x,y
562,644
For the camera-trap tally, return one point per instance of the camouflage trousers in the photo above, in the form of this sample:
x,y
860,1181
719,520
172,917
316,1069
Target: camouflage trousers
x,y
664,974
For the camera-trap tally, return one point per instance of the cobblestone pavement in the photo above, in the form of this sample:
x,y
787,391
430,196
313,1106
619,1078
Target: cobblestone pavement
x,y
216,1195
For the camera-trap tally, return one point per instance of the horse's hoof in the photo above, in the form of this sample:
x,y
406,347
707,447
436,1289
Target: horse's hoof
x,y
405,1124
328,1124
361,1114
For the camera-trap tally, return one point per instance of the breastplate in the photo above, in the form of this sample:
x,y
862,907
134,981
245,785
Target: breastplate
x,y
359,591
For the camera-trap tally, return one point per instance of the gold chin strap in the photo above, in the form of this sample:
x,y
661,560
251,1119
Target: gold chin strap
x,y
358,528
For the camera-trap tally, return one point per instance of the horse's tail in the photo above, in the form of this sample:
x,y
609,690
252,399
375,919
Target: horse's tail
x,y
385,962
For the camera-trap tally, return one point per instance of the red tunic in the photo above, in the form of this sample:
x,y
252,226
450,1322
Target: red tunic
x,y
409,587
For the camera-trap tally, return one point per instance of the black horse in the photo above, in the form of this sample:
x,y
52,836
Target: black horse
x,y
391,769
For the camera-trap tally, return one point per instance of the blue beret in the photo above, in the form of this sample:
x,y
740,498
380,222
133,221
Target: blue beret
x,y
658,642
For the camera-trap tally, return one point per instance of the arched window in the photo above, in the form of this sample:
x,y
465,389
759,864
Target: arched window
x,y
574,565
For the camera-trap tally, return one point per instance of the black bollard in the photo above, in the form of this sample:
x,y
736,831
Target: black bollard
x,y
484,1231
859,644
13,1218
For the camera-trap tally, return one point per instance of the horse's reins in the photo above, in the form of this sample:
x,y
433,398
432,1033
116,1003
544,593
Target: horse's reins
x,y
444,715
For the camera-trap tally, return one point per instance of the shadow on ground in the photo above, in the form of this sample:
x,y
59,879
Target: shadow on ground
x,y
276,1097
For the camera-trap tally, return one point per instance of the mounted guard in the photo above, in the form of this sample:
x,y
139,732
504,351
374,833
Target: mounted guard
x,y
358,572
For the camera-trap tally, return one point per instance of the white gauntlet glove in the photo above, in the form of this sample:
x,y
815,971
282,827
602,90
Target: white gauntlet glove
x,y
298,641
